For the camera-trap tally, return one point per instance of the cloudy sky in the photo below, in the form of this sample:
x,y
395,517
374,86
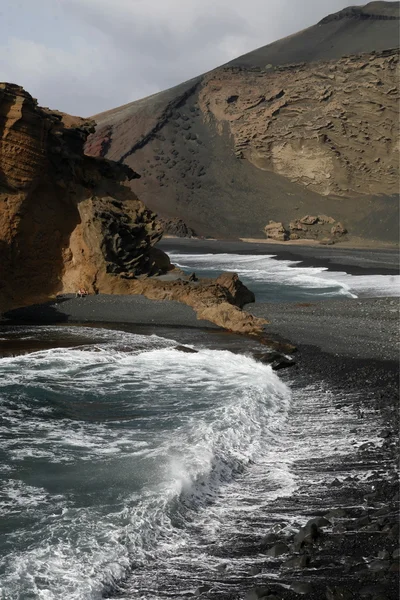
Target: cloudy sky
x,y
86,56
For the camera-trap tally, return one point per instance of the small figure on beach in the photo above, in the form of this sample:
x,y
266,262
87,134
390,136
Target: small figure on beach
x,y
81,293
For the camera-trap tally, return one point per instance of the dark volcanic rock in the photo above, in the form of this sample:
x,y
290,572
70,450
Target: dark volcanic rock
x,y
176,227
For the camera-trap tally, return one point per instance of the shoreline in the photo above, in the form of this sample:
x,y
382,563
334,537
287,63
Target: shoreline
x,y
356,491
355,261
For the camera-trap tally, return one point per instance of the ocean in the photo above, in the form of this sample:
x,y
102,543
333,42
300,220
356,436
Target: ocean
x,y
133,469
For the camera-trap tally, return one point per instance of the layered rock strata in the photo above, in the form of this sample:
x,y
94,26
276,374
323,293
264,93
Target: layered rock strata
x,y
67,221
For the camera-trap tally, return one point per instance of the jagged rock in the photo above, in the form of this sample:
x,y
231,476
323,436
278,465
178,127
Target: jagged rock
x,y
186,349
241,295
296,225
311,531
70,217
338,229
325,219
176,227
68,221
202,589
309,220
276,231
277,550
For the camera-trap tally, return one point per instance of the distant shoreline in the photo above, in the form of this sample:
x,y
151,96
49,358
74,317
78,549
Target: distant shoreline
x,y
355,261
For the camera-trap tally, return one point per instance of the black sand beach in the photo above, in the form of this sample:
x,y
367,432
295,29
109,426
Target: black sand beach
x,y
351,347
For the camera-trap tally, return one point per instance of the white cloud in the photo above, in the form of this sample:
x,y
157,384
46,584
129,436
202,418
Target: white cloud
x,y
85,56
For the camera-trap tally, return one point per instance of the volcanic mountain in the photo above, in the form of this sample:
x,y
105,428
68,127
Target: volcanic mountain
x,y
304,127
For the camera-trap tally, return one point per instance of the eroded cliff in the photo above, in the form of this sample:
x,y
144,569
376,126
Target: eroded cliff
x,y
66,220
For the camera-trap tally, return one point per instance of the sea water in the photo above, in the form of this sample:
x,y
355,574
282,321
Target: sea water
x,y
110,449
274,280
130,469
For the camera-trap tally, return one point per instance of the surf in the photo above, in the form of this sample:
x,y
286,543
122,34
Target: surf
x,y
117,448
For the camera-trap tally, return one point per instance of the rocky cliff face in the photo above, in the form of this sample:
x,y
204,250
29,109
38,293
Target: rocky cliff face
x,y
306,125
66,220
328,126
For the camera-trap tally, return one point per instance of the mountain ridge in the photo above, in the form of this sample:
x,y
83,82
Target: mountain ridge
x,y
232,149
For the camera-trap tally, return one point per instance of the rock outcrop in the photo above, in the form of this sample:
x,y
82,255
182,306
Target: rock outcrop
x,y
176,227
276,231
66,219
310,227
304,126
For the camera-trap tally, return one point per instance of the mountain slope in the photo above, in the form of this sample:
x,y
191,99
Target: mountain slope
x,y
306,125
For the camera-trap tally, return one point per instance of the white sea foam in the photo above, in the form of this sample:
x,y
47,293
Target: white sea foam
x,y
129,440
285,275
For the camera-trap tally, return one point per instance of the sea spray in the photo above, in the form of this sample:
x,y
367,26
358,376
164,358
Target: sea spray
x,y
285,280
115,448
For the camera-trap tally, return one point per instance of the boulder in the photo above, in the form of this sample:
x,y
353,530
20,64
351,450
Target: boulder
x,y
338,229
311,531
309,220
276,231
324,219
240,294
277,550
176,227
296,225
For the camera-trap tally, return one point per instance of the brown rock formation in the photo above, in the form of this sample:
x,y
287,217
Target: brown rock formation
x,y
321,125
219,301
308,124
176,227
66,220
276,231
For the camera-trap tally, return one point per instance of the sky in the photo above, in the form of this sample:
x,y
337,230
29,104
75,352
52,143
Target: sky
x,y
87,56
